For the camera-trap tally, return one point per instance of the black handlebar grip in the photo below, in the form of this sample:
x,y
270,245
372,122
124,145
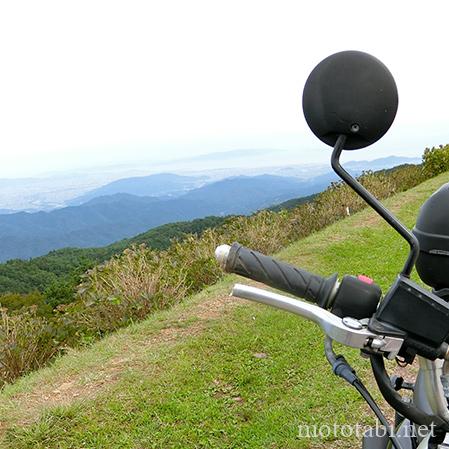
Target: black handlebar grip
x,y
283,276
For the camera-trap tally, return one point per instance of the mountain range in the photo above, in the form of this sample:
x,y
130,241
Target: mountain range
x,y
106,219
124,208
160,184
55,190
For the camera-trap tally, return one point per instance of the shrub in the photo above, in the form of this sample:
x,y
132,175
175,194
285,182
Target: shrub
x,y
27,342
140,280
436,160
116,292
404,177
58,293
16,301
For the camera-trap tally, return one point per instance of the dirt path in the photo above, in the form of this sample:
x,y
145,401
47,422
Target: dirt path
x,y
28,406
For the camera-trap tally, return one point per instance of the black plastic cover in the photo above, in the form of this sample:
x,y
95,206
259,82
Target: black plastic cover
x,y
409,308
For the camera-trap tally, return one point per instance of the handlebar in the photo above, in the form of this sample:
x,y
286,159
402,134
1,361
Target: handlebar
x,y
327,293
356,297
283,276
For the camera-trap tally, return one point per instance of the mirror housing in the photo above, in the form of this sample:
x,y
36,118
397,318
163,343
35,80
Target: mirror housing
x,y
350,93
350,101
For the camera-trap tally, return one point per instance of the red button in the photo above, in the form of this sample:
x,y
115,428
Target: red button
x,y
365,279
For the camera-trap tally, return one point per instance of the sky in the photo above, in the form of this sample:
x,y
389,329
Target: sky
x,y
94,82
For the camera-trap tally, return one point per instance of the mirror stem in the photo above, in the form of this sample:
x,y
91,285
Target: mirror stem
x,y
377,206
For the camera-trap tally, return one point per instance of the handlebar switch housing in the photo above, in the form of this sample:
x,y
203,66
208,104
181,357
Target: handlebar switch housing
x,y
356,297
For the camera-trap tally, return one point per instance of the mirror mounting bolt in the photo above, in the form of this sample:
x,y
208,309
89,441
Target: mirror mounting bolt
x,y
355,128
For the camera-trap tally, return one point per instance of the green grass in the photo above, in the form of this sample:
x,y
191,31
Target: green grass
x,y
186,378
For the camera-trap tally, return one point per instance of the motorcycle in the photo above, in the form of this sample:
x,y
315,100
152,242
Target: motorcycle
x,y
350,100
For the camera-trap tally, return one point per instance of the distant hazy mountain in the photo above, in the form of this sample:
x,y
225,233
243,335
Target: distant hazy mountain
x,y
161,184
382,163
121,209
244,194
60,189
106,219
168,184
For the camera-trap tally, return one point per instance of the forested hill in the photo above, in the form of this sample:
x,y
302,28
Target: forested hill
x,y
60,266
64,266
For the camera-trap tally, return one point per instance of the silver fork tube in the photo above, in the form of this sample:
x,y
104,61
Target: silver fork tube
x,y
445,378
429,393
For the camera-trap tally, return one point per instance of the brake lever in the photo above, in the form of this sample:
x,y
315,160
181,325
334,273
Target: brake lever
x,y
347,331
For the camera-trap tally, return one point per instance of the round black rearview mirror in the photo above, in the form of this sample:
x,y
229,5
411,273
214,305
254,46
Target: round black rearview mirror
x,y
350,93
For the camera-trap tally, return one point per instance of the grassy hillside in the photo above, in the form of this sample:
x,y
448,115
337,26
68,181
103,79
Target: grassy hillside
x,y
212,371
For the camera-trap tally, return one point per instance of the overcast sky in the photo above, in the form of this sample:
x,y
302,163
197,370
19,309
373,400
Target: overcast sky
x,y
100,82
